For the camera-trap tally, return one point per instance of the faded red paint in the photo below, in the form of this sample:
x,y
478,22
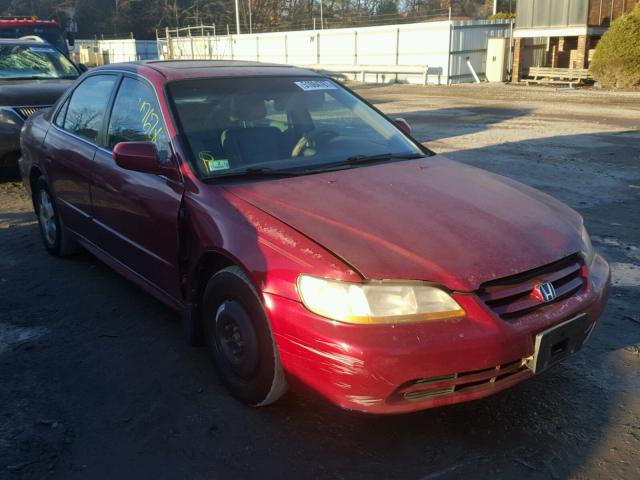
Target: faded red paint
x,y
430,219
26,22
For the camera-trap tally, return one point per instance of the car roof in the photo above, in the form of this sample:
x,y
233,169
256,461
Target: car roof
x,y
185,69
22,42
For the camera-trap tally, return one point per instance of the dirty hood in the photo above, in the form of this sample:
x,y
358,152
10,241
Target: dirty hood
x,y
17,93
429,219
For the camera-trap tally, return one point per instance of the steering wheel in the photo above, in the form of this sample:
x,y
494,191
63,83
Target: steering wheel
x,y
311,140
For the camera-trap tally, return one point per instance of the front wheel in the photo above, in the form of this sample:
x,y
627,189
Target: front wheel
x,y
239,339
54,236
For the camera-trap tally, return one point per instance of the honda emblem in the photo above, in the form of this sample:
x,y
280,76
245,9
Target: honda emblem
x,y
545,292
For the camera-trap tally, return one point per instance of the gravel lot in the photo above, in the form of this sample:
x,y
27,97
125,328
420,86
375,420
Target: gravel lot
x,y
96,380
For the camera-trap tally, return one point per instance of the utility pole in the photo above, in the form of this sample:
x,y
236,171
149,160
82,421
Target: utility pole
x,y
495,7
237,19
115,17
250,22
321,17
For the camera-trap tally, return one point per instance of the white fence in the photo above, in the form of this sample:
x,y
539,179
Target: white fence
x,y
443,47
104,52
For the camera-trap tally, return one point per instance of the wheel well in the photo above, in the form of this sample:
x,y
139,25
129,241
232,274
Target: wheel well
x,y
34,175
209,265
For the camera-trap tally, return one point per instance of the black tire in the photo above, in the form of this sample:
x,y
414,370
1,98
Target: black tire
x,y
239,339
54,235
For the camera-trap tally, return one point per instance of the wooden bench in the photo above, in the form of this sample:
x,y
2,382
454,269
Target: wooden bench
x,y
558,76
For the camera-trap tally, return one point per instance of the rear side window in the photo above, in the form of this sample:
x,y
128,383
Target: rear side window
x,y
136,117
85,113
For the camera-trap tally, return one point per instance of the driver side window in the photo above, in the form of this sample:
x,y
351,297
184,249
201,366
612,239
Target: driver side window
x,y
136,117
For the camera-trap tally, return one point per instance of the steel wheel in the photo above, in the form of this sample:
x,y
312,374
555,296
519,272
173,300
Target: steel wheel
x,y
240,340
236,338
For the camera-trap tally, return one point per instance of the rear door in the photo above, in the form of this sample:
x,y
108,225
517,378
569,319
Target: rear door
x,y
136,214
70,147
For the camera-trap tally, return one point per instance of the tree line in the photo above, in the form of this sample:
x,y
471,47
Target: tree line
x,y
143,17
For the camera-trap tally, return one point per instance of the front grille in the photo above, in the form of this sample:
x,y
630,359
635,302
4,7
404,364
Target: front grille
x,y
466,382
26,112
511,297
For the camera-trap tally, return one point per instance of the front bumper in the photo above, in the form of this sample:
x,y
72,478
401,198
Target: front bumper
x,y
383,368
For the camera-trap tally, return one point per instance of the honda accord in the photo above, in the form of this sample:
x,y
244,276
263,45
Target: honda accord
x,y
307,239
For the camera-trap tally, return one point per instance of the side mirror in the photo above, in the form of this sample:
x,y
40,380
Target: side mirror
x,y
403,125
82,67
141,157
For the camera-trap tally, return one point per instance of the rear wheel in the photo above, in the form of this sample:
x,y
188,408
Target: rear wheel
x,y
239,339
54,236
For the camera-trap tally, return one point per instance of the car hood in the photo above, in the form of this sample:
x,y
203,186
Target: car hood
x,y
429,219
16,93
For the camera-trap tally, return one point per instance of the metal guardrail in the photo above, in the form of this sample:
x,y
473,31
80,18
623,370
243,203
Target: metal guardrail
x,y
364,70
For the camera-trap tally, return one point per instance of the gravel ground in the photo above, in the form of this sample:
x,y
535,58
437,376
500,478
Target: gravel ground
x,y
96,380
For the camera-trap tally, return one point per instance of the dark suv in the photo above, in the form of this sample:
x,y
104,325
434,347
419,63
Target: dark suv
x,y
33,75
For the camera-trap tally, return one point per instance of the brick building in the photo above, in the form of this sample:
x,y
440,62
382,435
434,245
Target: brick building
x,y
561,33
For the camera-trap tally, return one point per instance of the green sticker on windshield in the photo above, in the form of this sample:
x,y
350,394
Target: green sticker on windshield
x,y
215,165
210,163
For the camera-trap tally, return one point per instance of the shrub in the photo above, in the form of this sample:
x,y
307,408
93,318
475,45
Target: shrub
x,y
503,16
616,61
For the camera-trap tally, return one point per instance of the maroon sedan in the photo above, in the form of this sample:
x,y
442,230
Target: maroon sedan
x,y
306,237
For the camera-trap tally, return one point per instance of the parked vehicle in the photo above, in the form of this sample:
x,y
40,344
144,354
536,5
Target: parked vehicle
x,y
304,236
33,75
48,30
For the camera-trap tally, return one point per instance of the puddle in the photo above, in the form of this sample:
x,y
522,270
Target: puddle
x,y
10,335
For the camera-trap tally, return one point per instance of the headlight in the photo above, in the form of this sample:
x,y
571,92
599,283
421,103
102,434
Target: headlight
x,y
587,248
9,117
376,302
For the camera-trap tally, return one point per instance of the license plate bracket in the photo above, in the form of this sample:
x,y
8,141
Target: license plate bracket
x,y
558,342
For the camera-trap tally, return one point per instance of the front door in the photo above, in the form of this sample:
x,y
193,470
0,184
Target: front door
x,y
136,214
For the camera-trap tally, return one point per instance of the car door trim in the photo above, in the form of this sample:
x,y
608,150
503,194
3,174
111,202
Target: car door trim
x,y
75,209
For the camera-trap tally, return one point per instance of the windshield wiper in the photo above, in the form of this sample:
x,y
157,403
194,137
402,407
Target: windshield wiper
x,y
256,172
264,172
380,157
33,77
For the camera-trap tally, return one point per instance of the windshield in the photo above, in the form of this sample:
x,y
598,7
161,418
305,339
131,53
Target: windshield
x,y
53,35
280,123
38,61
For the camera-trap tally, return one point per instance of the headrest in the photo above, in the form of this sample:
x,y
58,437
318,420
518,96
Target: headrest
x,y
306,100
247,108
